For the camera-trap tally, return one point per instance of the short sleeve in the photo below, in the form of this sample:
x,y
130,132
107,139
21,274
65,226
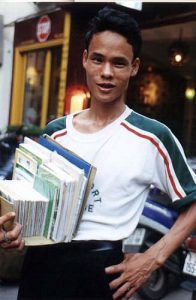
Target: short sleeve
x,y
55,125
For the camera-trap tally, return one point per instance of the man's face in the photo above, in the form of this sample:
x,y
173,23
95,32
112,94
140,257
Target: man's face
x,y
109,65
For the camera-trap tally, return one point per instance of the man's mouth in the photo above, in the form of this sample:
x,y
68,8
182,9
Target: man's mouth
x,y
106,86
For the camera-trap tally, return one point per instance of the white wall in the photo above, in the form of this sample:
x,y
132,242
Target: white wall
x,y
11,12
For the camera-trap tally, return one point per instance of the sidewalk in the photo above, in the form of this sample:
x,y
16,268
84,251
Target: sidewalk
x,y
8,291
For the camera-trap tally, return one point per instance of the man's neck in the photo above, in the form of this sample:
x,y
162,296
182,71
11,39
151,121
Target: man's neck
x,y
105,114
96,118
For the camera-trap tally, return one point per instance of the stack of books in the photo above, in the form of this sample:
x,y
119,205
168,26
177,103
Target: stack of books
x,y
48,191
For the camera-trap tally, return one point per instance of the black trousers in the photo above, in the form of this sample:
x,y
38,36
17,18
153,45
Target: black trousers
x,y
68,271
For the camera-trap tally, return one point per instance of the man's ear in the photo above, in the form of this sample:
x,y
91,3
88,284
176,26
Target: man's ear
x,y
84,58
135,66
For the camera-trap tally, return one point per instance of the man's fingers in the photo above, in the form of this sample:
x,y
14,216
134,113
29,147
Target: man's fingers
x,y
114,269
10,235
121,291
124,292
17,244
114,284
15,231
7,217
12,238
130,292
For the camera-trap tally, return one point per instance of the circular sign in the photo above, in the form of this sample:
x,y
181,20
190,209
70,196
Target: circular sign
x,y
43,28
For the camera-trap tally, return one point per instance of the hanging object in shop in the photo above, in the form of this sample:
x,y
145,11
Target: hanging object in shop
x,y
43,29
152,88
178,52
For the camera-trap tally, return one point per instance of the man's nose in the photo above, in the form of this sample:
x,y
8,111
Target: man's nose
x,y
107,70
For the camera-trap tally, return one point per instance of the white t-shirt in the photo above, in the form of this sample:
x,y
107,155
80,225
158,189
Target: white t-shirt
x,y
130,154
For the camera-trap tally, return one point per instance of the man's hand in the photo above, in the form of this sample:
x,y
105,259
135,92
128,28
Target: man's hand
x,y
133,272
10,238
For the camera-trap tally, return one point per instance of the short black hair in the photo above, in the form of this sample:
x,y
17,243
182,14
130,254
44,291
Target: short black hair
x,y
117,21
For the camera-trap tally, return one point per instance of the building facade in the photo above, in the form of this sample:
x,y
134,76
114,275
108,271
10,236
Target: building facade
x,y
48,80
9,13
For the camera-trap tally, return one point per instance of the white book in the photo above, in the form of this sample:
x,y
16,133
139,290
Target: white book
x,y
46,152
79,190
25,201
35,150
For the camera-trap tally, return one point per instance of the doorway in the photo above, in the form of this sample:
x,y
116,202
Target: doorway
x,y
36,85
41,86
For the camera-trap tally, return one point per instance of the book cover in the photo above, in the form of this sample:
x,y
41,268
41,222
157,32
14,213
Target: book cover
x,y
25,166
38,152
76,160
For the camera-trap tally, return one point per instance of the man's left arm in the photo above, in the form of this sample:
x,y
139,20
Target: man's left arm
x,y
137,268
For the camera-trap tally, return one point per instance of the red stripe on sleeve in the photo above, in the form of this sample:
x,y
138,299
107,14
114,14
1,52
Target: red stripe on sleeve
x,y
161,153
59,134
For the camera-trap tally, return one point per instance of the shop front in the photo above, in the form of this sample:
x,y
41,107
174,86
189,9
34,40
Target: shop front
x,y
40,68
48,79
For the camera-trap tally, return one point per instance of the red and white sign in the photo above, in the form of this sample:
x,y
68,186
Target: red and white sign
x,y
43,28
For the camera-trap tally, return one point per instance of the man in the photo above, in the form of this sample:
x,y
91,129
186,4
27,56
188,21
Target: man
x,y
10,237
130,152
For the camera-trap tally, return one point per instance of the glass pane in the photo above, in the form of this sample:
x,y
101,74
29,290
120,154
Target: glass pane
x,y
33,87
54,83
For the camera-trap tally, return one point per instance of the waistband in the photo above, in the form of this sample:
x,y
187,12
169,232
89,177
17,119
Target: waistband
x,y
95,245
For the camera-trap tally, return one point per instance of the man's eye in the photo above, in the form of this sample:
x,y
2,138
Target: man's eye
x,y
97,59
119,64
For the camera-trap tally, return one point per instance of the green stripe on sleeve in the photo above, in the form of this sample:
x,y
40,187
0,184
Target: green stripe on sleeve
x,y
164,134
55,125
182,204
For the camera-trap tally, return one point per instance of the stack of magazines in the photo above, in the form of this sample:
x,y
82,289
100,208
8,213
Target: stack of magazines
x,y
48,192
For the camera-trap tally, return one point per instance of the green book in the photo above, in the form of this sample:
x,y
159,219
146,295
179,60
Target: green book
x,y
50,189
